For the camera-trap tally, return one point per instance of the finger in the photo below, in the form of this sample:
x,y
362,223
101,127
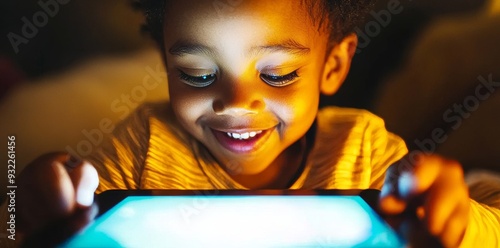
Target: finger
x,y
85,181
65,187
454,229
392,205
421,178
390,200
438,209
405,164
45,192
448,192
389,203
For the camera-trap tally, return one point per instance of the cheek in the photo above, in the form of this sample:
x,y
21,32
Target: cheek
x,y
297,108
188,104
305,107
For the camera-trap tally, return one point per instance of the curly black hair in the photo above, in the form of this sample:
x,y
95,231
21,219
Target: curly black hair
x,y
340,17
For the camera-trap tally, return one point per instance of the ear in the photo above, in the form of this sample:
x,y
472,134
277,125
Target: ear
x,y
338,64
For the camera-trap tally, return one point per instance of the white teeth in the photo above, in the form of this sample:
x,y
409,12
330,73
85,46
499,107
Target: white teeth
x,y
243,136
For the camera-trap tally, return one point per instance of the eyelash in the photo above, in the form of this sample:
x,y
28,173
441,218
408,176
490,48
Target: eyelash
x,y
208,79
200,81
279,81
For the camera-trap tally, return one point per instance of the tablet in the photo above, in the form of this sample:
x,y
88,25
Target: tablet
x,y
271,218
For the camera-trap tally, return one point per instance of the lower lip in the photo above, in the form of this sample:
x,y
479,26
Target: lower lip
x,y
241,146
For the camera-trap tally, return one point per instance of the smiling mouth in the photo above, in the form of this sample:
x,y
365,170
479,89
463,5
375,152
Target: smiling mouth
x,y
243,136
242,141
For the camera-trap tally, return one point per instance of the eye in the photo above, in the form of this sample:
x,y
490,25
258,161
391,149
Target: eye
x,y
279,81
197,81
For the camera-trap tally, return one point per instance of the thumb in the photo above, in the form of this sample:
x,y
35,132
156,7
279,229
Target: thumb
x,y
389,202
85,181
398,183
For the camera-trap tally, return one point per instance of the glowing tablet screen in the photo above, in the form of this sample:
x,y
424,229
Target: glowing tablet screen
x,y
238,221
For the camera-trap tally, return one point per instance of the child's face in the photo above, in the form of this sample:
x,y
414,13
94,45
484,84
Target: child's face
x,y
244,80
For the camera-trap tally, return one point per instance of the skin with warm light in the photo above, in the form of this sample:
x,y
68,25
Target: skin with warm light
x,y
247,86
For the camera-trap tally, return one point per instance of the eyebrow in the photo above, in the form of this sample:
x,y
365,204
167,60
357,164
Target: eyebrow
x,y
181,48
288,46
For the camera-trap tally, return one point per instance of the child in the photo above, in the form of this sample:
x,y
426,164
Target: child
x,y
244,80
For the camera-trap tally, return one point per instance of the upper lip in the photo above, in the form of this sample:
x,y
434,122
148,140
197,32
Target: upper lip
x,y
230,124
242,130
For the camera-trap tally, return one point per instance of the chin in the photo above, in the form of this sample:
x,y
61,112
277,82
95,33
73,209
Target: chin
x,y
246,166
252,170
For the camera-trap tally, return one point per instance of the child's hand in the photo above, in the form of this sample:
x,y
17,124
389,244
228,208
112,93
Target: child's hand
x,y
54,187
435,188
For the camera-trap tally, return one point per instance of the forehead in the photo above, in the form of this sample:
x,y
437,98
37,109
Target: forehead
x,y
279,19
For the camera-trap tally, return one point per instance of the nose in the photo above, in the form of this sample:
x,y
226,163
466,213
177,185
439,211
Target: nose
x,y
238,98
